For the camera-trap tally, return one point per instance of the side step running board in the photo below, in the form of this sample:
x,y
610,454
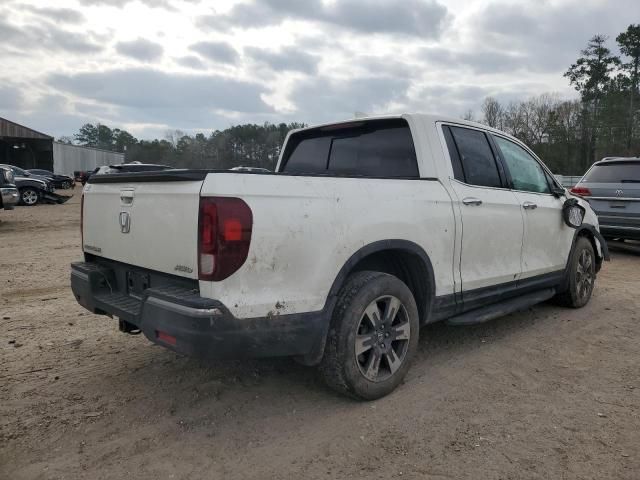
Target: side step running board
x,y
484,314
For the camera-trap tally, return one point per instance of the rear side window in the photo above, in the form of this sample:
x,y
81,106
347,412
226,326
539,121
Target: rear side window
x,y
376,148
478,164
614,172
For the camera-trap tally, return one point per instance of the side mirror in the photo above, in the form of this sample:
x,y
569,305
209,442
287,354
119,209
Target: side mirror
x,y
573,213
558,191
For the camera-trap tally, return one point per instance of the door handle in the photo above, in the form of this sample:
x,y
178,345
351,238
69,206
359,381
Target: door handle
x,y
472,201
529,206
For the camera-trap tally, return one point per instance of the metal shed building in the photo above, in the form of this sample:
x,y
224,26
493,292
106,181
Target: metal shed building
x,y
27,148
70,158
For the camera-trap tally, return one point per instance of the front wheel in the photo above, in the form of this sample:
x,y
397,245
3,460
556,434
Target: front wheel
x,y
29,196
373,336
582,275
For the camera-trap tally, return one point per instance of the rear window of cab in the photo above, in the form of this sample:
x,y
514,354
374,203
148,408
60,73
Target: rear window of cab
x,y
373,148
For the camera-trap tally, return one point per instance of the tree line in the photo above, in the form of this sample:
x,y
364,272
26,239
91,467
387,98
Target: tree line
x,y
569,135
247,145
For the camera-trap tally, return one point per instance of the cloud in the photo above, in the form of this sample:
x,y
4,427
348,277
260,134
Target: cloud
x,y
51,37
166,4
62,15
287,59
10,97
149,89
550,34
423,18
478,61
320,99
216,51
47,37
191,61
140,49
9,32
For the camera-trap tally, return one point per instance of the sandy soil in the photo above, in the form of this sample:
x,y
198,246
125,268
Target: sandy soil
x,y
548,393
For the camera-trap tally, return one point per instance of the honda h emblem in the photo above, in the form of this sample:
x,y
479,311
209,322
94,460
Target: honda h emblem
x,y
125,222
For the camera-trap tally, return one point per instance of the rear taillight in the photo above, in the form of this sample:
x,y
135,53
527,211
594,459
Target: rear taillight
x,y
224,236
82,221
582,191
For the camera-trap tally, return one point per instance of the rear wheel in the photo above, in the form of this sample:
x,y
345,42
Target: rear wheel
x,y
373,336
29,196
66,185
582,275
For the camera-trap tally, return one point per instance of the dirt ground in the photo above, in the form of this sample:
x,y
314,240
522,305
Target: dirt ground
x,y
548,393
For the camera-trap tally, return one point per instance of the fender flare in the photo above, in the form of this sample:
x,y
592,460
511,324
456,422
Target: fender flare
x,y
379,246
315,356
587,227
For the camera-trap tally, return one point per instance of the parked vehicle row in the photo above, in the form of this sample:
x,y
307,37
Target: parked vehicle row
x,y
367,231
34,188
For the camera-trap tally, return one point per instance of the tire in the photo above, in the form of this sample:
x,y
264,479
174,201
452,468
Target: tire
x,y
66,185
582,275
389,345
29,196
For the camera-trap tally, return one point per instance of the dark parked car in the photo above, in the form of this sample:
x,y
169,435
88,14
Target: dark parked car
x,y
59,181
22,173
612,187
34,188
9,195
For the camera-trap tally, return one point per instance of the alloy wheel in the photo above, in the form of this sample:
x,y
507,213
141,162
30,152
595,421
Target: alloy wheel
x,y
30,197
382,338
585,274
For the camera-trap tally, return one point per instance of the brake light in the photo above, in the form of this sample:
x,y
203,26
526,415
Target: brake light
x,y
224,236
582,191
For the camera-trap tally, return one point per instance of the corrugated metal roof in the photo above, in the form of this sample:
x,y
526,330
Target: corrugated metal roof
x,y
15,130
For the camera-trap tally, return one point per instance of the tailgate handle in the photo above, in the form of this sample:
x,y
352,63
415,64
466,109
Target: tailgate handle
x,y
126,197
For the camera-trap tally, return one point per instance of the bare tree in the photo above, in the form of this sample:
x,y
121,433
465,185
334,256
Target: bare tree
x,y
493,113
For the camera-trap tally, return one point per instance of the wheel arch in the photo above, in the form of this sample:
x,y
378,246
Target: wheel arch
x,y
592,234
402,258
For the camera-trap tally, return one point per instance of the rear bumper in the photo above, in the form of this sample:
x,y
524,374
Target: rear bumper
x,y
10,197
619,224
620,231
178,318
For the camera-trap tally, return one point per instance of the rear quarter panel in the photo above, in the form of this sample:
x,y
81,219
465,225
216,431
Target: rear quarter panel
x,y
306,228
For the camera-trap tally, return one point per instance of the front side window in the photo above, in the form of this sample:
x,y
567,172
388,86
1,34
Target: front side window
x,y
478,163
376,148
526,173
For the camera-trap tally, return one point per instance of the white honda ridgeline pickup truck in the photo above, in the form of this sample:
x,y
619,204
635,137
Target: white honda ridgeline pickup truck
x,y
368,230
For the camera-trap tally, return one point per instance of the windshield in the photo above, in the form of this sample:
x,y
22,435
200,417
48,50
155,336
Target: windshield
x,y
614,172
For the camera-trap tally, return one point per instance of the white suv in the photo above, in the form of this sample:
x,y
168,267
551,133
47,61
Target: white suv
x,y
367,230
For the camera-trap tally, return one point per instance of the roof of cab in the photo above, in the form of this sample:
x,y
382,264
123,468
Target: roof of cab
x,y
426,117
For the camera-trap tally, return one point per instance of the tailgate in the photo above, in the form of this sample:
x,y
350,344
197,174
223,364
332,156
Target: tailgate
x,y
152,225
616,199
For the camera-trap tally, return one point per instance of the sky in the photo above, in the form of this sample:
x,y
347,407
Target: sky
x,y
150,66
